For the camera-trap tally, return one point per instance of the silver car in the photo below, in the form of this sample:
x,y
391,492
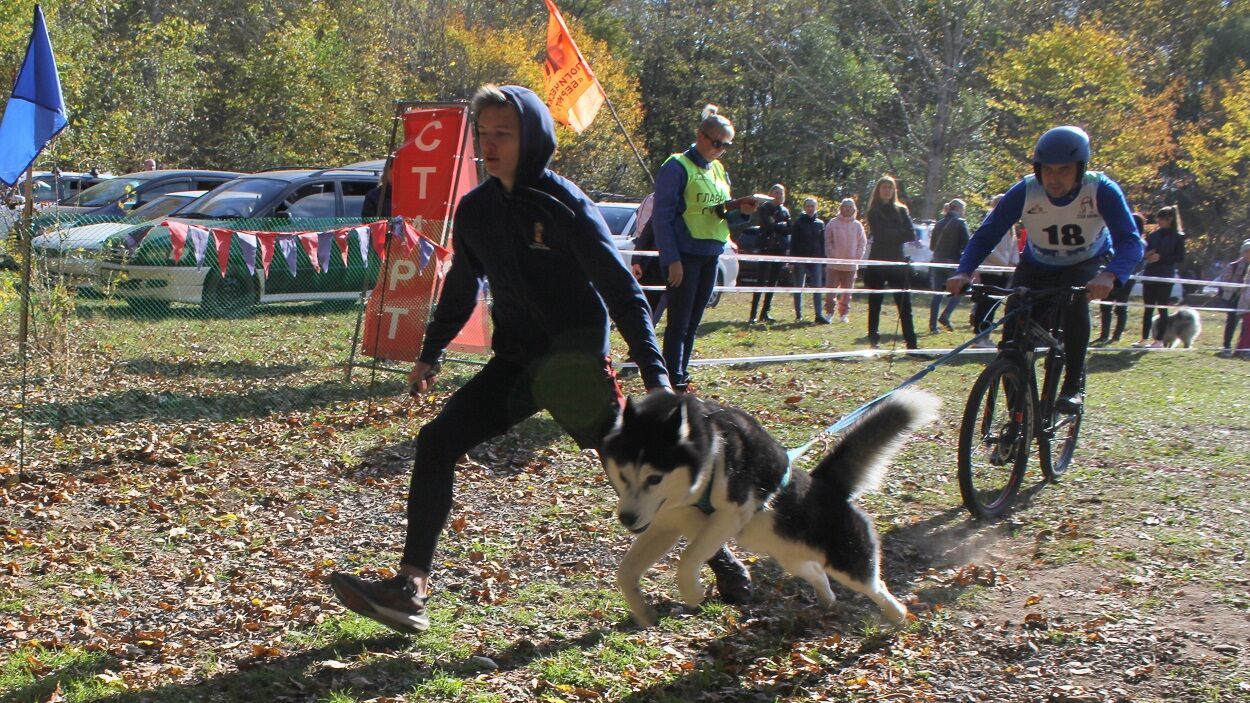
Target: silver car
x,y
622,219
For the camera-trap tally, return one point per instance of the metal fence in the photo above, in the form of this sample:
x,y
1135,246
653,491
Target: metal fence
x,y
134,326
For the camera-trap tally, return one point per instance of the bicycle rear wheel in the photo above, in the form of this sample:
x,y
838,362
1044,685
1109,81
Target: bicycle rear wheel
x,y
994,439
1056,442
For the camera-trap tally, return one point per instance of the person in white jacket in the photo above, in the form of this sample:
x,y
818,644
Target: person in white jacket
x,y
844,239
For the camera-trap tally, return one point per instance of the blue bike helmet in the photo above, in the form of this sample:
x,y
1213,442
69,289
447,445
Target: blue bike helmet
x,y
1061,145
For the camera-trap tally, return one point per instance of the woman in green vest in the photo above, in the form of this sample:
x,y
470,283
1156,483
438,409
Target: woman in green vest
x,y
690,219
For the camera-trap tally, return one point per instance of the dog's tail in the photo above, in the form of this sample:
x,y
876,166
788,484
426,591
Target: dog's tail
x,y
857,463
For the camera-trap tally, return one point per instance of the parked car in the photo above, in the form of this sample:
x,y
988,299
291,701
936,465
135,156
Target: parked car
x,y
918,250
74,251
621,219
50,187
125,193
276,201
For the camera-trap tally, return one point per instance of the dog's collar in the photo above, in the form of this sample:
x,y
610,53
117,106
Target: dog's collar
x,y
705,501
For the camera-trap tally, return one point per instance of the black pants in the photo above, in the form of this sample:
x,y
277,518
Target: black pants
x,y
983,307
770,276
1075,314
879,277
1119,294
1155,295
578,390
686,304
1230,326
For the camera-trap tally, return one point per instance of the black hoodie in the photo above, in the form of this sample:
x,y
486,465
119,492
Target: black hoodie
x,y
553,271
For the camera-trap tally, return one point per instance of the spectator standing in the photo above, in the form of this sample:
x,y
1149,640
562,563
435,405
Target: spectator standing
x,y
1165,251
1235,272
149,164
947,242
377,203
691,221
647,269
1006,254
556,278
1243,307
774,241
844,239
1118,295
808,239
889,228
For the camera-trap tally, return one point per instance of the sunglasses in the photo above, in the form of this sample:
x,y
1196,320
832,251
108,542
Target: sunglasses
x,y
717,143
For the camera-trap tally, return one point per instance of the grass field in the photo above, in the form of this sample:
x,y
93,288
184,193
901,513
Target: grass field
x,y
191,482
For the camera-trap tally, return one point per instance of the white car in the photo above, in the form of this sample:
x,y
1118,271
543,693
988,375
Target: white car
x,y
621,219
74,251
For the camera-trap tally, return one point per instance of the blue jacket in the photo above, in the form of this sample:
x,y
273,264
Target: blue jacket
x,y
1125,245
553,271
672,237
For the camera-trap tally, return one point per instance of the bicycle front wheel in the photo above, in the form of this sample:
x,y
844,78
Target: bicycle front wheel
x,y
1056,442
994,439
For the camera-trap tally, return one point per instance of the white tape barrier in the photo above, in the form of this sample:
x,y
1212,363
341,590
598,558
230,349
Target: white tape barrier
x,y
875,353
923,264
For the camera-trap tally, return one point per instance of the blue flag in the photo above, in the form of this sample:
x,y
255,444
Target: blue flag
x,y
36,111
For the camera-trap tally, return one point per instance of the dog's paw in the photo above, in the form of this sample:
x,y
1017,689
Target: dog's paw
x,y
647,617
896,615
692,596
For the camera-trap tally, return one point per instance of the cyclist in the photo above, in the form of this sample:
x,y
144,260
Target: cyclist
x,y
1080,233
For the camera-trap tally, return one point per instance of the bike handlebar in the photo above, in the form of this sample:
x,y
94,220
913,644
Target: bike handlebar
x,y
1021,291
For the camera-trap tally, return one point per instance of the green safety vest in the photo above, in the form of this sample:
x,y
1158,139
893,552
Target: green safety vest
x,y
705,189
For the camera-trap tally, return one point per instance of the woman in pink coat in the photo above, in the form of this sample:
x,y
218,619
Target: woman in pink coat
x,y
844,239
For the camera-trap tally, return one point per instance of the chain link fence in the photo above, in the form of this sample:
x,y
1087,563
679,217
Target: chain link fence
x,y
139,326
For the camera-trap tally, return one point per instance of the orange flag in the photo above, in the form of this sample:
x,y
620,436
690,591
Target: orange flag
x,y
573,93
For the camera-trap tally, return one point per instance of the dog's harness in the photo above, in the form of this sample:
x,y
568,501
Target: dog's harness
x,y
705,501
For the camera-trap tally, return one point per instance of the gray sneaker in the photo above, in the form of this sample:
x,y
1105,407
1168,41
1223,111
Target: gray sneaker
x,y
391,602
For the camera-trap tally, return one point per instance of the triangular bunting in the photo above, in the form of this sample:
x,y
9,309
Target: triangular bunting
x,y
325,241
266,240
362,241
340,238
177,239
290,253
221,239
247,244
199,244
308,241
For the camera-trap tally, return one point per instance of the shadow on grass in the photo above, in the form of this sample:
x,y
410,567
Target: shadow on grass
x,y
148,366
518,446
137,404
299,676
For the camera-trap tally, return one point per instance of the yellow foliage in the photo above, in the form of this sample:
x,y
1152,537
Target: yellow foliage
x,y
1084,76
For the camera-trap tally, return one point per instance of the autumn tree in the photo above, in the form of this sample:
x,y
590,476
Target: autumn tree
x,y
1085,76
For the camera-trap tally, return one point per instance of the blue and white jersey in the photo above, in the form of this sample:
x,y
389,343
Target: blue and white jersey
x,y
1061,235
1092,220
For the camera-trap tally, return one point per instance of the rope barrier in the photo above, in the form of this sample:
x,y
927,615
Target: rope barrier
x,y
929,264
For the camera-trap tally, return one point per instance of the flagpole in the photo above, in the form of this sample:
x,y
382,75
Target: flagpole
x,y
23,236
554,15
637,155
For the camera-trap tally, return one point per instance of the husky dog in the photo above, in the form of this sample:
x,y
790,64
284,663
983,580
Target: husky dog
x,y
684,466
1182,325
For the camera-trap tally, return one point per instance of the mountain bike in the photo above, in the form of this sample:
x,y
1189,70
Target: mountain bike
x,y
1007,408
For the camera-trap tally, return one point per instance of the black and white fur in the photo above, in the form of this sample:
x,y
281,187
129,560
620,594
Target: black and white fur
x,y
667,449
1183,325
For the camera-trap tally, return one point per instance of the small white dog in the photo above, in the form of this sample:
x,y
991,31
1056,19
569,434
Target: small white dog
x,y
1183,326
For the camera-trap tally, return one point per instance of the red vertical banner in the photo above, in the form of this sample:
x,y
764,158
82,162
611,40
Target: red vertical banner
x,y
428,161
433,167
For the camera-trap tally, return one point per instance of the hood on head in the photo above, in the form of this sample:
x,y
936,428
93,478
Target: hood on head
x,y
538,133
